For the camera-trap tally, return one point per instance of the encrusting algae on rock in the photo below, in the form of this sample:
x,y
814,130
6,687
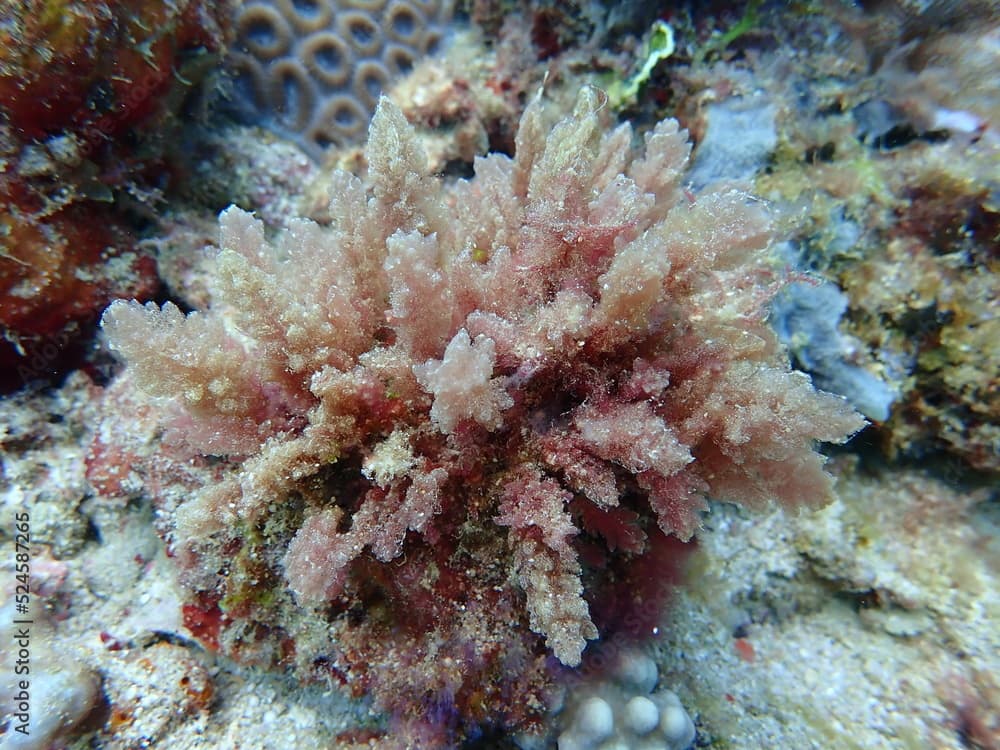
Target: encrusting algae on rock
x,y
91,94
441,424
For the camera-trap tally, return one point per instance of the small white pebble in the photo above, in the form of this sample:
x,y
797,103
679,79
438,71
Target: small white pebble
x,y
595,719
641,715
664,698
638,670
677,727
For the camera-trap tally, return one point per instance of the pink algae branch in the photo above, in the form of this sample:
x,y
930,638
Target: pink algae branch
x,y
428,410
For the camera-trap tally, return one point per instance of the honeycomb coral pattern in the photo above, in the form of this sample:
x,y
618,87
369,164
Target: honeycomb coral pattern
x,y
314,69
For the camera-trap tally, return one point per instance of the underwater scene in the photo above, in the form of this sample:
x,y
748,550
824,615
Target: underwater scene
x,y
499,375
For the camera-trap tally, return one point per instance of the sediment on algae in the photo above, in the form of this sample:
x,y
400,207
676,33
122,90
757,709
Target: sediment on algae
x,y
448,418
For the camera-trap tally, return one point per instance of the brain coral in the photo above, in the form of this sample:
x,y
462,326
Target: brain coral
x,y
461,410
314,69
